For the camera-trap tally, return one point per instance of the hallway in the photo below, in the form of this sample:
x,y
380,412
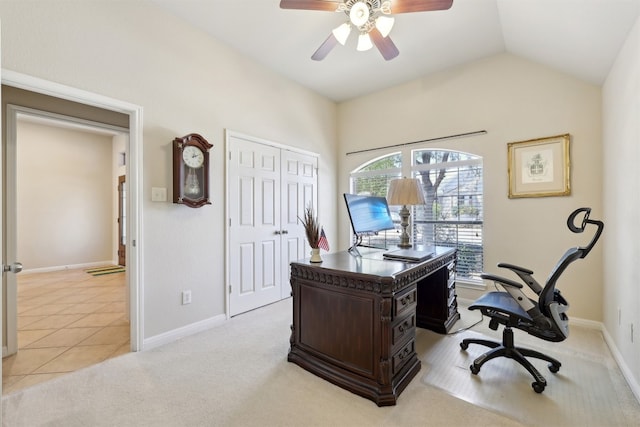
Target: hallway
x,y
67,320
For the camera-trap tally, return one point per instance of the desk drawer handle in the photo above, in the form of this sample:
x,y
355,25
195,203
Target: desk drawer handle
x,y
404,353
404,326
406,299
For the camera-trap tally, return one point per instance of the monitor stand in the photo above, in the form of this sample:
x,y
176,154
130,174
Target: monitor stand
x,y
353,250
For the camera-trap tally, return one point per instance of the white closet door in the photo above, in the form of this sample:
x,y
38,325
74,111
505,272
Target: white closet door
x,y
299,190
254,229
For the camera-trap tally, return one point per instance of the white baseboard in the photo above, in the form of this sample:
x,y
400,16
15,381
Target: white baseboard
x,y
626,372
68,267
176,334
590,324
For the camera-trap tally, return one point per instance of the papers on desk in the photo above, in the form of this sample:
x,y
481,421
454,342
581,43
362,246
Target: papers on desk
x,y
408,255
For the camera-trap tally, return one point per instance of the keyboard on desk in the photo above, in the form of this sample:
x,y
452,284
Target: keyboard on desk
x,y
408,255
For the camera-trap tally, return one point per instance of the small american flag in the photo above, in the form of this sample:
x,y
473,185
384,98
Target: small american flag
x,y
323,242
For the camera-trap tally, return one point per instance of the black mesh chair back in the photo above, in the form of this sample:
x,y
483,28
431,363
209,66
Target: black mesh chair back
x,y
545,318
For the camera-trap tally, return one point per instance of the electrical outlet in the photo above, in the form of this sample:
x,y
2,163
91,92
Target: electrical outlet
x,y
186,297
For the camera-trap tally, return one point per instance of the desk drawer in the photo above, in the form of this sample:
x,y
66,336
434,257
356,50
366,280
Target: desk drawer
x,y
404,328
404,302
451,293
402,356
451,271
453,309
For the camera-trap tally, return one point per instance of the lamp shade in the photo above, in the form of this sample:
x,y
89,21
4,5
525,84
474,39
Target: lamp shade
x,y
384,24
364,42
405,191
342,32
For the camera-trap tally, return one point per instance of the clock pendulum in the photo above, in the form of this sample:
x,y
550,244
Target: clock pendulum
x,y
191,185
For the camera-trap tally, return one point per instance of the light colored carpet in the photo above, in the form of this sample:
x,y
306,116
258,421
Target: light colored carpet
x,y
236,374
504,386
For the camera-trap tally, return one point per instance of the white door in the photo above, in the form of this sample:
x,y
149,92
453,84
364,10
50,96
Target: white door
x,y
254,229
299,184
268,188
10,265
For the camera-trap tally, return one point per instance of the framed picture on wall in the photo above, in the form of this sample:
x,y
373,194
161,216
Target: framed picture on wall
x,y
539,167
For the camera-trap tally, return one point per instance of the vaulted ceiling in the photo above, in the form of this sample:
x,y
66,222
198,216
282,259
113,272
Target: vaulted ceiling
x,y
578,37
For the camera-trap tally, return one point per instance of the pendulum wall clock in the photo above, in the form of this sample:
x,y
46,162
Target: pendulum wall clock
x,y
191,171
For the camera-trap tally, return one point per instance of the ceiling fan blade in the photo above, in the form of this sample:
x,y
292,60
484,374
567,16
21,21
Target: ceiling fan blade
x,y
384,44
325,48
406,6
327,5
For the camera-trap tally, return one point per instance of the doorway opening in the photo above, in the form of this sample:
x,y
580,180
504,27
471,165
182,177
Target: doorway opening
x,y
131,287
72,295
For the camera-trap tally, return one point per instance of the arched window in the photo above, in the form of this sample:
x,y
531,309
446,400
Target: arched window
x,y
452,215
372,179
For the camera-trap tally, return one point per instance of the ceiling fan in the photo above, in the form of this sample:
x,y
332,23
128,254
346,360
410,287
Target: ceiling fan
x,y
369,17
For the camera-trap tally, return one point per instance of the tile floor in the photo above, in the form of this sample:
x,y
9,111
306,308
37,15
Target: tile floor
x,y
67,320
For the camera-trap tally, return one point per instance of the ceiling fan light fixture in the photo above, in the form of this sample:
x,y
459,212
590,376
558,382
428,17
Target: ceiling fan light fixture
x,y
371,18
386,7
359,14
384,24
342,32
364,42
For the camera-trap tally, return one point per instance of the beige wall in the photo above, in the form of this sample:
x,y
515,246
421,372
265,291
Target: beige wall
x,y
621,181
64,197
513,100
186,82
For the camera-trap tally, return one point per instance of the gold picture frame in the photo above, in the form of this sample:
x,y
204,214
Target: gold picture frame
x,y
540,167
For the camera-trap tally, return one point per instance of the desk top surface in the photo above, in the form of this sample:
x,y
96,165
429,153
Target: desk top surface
x,y
371,261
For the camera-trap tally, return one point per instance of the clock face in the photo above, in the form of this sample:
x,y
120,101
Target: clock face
x,y
193,157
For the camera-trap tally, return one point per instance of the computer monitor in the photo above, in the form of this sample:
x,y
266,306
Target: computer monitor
x,y
368,214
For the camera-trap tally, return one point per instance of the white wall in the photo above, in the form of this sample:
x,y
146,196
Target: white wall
x,y
621,182
186,82
513,100
64,197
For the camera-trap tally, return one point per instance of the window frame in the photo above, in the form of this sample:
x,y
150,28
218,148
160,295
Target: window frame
x,y
411,168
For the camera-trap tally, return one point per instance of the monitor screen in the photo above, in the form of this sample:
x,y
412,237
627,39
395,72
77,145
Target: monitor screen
x,y
368,214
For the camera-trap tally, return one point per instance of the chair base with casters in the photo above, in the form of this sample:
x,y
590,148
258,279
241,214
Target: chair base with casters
x,y
503,309
544,318
519,354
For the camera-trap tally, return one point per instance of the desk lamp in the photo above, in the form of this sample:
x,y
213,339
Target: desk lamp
x,y
405,191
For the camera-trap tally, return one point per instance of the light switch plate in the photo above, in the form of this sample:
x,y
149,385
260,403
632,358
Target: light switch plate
x,y
158,194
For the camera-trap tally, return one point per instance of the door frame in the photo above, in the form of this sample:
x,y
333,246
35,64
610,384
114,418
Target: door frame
x,y
135,268
122,182
229,134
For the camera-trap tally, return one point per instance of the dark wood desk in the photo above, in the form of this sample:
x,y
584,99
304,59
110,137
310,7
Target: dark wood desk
x,y
354,318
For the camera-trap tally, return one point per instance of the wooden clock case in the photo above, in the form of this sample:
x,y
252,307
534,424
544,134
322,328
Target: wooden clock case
x,y
190,186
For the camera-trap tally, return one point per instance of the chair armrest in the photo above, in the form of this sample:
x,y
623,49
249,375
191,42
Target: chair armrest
x,y
515,268
525,274
501,280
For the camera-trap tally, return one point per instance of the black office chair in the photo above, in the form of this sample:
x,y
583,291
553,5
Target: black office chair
x,y
545,318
